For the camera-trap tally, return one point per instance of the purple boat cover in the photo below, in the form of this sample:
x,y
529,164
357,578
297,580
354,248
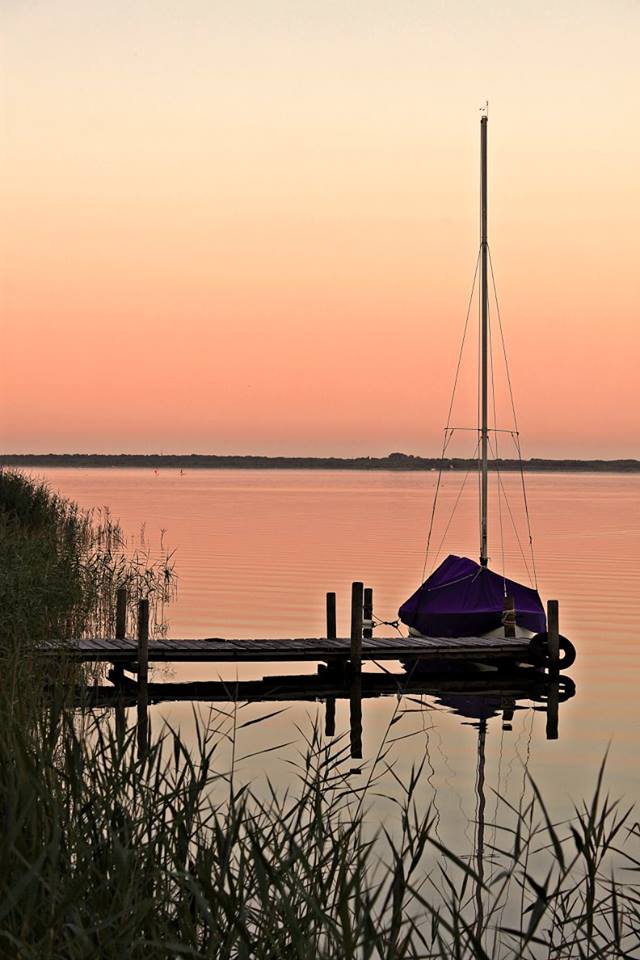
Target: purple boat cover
x,y
463,599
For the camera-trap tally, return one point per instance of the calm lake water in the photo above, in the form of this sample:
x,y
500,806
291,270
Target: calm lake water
x,y
256,551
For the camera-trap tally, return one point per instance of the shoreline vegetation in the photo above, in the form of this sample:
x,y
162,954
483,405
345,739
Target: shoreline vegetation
x,y
115,850
394,461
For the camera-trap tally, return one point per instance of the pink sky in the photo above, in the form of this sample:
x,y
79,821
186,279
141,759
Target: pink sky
x,y
251,227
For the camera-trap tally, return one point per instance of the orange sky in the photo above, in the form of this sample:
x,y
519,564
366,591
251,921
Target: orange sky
x,y
251,226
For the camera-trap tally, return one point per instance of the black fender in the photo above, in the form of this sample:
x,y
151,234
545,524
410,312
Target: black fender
x,y
539,647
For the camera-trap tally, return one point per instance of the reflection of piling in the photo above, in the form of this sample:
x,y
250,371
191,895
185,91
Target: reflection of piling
x,y
482,736
143,676
355,691
508,709
553,709
355,716
330,717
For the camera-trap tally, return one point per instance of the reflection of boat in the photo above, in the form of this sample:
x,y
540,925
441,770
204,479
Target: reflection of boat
x,y
462,598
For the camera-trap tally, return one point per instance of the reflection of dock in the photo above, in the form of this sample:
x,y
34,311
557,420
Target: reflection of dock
x,y
469,697
463,695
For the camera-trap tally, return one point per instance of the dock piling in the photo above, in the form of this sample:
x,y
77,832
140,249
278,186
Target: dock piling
x,y
121,629
332,630
117,668
355,691
121,613
333,665
553,635
357,597
367,632
143,676
509,617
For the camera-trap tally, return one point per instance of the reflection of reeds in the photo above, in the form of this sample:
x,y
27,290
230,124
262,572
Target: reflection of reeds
x,y
104,853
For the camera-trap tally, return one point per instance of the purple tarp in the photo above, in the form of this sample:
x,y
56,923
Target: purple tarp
x,y
463,599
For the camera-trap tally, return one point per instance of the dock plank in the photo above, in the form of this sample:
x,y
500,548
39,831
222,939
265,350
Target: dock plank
x,y
217,649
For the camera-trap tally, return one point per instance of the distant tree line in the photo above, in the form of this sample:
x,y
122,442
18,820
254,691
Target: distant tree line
x,y
394,461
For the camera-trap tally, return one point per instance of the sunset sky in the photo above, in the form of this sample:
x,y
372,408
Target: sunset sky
x,y
251,227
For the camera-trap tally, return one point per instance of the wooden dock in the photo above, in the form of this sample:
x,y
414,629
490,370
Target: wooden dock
x,y
129,653
339,662
315,649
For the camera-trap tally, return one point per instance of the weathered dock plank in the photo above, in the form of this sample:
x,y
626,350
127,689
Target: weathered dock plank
x,y
217,649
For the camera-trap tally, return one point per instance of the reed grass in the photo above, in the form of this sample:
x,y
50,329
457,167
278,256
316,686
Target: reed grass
x,y
61,567
108,853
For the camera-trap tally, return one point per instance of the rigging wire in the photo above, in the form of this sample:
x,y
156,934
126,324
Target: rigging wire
x,y
448,432
455,505
497,453
445,444
516,433
516,440
511,517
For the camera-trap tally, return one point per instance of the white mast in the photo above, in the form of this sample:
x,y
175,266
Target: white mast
x,y
484,309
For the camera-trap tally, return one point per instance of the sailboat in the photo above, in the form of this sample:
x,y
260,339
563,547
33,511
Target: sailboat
x,y
462,597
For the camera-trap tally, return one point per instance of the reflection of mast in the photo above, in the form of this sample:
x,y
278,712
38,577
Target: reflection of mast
x,y
482,736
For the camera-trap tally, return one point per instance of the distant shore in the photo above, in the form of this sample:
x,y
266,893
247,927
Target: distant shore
x,y
395,461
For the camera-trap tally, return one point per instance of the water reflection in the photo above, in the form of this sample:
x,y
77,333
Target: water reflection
x,y
475,698
257,551
479,703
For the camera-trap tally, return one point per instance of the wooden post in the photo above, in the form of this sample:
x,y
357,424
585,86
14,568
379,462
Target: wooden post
x,y
509,617
357,590
553,635
330,705
367,633
333,665
118,670
331,616
143,677
355,692
121,613
121,629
